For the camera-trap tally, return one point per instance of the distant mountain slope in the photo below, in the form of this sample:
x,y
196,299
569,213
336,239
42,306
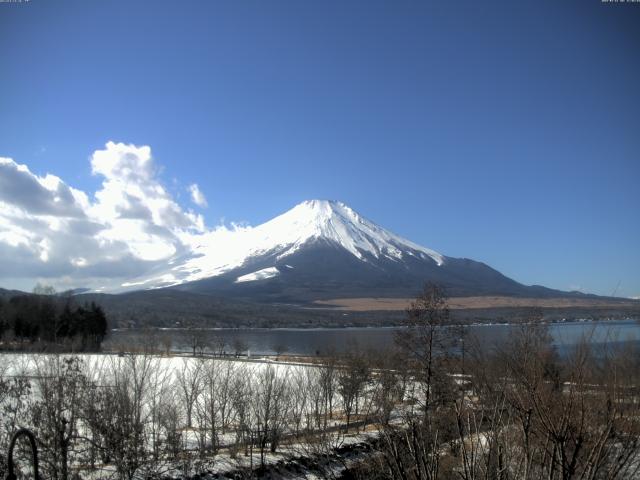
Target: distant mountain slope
x,y
6,294
321,250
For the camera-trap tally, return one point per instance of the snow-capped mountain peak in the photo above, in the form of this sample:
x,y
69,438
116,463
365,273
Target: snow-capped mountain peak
x,y
331,222
334,221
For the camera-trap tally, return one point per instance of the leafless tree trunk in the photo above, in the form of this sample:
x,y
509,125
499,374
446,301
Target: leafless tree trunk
x,y
60,385
189,380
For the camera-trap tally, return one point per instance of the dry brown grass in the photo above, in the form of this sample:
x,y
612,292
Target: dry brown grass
x,y
462,303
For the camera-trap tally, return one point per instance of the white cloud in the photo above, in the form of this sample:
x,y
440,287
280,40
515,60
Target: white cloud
x,y
56,233
39,195
197,196
131,189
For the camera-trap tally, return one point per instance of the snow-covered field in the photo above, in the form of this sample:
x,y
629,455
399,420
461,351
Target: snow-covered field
x,y
98,364
194,414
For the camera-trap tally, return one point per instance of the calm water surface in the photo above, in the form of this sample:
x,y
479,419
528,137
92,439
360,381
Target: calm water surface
x,y
323,340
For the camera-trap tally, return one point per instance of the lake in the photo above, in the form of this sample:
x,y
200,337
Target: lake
x,y
262,341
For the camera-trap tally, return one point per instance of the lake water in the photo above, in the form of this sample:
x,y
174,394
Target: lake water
x,y
320,341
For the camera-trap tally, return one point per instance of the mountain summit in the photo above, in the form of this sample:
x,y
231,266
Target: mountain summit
x,y
335,222
322,249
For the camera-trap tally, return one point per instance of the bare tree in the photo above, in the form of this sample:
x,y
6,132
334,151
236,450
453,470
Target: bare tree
x,y
227,371
328,383
279,349
118,416
161,410
300,395
210,405
388,388
241,399
218,344
15,394
427,340
166,342
60,383
239,346
352,379
315,398
412,450
270,407
189,381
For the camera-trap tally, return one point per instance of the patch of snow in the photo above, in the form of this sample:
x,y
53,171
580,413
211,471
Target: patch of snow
x,y
263,274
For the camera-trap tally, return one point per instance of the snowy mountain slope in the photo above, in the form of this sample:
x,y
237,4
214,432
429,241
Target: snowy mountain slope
x,y
263,274
322,250
223,250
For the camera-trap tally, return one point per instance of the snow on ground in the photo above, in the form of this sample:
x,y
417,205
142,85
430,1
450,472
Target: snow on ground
x,y
16,364
263,274
229,458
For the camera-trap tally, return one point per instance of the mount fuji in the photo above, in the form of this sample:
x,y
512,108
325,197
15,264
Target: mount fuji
x,y
323,250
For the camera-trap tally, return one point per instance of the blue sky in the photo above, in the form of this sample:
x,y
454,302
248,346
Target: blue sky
x,y
507,132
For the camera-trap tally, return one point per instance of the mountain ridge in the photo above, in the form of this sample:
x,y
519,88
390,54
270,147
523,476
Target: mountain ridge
x,y
323,249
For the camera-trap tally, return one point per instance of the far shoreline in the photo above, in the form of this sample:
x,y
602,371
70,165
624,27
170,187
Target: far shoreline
x,y
294,328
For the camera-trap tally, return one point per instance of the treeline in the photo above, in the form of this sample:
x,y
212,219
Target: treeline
x,y
51,322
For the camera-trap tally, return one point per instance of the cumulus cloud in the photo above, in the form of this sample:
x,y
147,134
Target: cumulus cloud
x,y
52,231
197,196
39,195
